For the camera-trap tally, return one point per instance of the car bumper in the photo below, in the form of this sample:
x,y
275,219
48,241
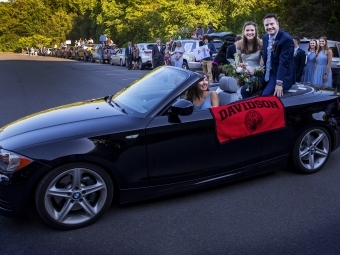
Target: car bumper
x,y
17,188
195,65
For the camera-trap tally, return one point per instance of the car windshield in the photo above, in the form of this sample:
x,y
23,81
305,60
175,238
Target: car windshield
x,y
145,93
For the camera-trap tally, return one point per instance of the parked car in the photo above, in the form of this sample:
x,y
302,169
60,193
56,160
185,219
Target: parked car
x,y
99,53
118,58
145,54
145,142
83,52
335,47
68,51
47,52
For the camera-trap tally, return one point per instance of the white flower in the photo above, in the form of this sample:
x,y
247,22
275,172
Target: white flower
x,y
239,70
250,69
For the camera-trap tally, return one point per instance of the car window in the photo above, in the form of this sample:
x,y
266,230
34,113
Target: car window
x,y
147,92
218,45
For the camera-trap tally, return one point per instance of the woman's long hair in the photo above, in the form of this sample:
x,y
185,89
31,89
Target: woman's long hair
x,y
192,92
316,45
244,47
319,47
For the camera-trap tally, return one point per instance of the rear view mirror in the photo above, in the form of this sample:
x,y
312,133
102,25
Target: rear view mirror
x,y
182,107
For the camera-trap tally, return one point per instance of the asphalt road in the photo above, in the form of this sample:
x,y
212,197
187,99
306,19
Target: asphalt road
x,y
278,213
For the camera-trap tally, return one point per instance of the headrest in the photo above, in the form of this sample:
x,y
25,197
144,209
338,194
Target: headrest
x,y
228,84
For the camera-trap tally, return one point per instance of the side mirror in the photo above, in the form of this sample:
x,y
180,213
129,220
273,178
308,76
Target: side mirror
x,y
181,107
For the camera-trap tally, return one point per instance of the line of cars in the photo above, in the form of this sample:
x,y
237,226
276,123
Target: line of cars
x,y
95,52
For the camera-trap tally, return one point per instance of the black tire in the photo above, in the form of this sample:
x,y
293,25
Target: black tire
x,y
185,65
74,195
84,58
121,62
91,59
111,63
311,150
140,65
101,60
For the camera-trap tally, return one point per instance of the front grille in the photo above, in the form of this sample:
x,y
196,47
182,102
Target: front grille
x,y
5,204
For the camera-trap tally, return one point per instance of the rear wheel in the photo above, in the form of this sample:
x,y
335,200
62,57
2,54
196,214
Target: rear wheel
x,y
140,65
185,65
121,62
311,150
74,195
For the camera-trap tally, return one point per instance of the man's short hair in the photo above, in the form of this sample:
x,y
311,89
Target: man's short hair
x,y
296,38
271,15
199,26
237,38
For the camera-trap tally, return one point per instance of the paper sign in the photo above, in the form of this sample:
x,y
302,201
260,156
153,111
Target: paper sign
x,y
201,52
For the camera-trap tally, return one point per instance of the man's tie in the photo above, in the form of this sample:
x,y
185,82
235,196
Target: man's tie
x,y
269,56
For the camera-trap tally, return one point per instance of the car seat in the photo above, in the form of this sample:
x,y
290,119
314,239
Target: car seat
x,y
229,89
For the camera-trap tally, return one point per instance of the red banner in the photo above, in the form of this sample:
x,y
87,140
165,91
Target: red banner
x,y
248,117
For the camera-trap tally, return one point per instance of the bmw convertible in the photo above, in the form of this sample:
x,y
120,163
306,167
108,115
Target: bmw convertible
x,y
146,141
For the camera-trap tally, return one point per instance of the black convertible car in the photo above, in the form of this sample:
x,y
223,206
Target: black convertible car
x,y
146,141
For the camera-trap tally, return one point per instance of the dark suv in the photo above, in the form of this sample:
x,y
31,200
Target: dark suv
x,y
335,47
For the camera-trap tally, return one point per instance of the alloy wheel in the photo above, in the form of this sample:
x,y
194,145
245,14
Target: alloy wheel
x,y
74,197
314,149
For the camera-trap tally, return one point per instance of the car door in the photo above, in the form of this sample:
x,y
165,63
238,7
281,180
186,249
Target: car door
x,y
116,57
189,149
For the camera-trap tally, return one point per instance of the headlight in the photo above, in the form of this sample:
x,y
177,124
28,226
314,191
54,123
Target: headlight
x,y
10,161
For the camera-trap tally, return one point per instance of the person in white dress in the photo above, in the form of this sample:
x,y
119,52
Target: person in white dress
x,y
249,49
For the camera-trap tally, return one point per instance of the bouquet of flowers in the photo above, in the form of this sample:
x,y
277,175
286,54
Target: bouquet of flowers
x,y
244,74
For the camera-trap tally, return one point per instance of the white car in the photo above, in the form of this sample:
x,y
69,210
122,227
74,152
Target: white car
x,y
118,58
145,54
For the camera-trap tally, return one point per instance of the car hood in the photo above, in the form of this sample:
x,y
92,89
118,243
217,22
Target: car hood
x,y
72,120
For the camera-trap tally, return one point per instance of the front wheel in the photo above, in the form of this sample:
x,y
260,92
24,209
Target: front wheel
x,y
74,195
91,59
185,65
311,150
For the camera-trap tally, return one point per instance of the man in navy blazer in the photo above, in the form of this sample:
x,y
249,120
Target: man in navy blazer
x,y
278,57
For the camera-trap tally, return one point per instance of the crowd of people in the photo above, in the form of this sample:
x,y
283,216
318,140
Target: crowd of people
x,y
285,63
279,53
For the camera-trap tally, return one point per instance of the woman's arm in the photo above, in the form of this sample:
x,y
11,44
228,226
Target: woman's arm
x,y
214,99
329,58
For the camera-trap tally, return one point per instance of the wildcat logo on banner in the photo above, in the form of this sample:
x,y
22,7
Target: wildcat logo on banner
x,y
248,117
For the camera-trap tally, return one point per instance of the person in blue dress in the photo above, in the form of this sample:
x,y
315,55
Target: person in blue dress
x,y
310,62
323,73
178,52
200,95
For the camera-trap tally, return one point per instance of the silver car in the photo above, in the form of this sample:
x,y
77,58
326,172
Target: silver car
x,y
118,58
